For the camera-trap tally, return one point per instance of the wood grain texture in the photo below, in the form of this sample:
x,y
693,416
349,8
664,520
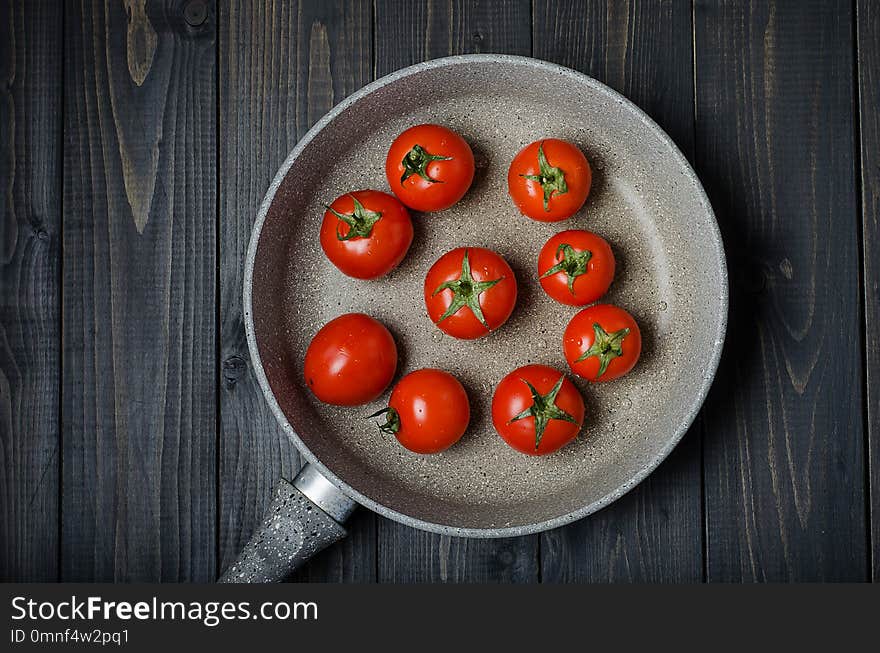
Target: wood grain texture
x,y
30,300
139,446
643,50
784,442
406,33
282,66
868,30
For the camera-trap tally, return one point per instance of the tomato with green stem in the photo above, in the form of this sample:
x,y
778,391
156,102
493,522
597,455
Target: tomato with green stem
x,y
576,267
351,360
429,167
602,342
549,180
470,292
366,234
537,410
428,411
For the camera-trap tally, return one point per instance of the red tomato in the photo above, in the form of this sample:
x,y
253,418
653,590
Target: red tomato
x,y
366,233
549,180
429,167
428,411
469,292
576,267
537,410
602,342
351,360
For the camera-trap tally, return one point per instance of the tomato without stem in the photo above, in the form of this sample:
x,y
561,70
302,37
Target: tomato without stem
x,y
549,180
351,360
366,233
428,411
576,267
470,292
602,343
537,410
429,167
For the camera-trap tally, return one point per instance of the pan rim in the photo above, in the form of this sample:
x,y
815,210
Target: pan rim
x,y
714,240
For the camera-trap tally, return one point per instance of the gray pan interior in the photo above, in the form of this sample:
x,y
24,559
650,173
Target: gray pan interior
x,y
646,201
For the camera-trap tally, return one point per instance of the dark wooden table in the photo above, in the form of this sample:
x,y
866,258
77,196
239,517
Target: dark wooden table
x,y
137,142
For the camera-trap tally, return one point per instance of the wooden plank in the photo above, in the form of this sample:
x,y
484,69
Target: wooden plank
x,y
868,16
282,66
784,444
31,71
139,481
406,33
643,50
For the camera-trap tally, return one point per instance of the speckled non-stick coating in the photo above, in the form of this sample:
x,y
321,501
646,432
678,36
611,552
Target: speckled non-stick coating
x,y
645,201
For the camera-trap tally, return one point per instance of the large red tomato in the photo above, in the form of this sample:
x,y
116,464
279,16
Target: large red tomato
x,y
576,267
351,360
469,292
429,167
602,342
537,410
549,180
366,233
428,411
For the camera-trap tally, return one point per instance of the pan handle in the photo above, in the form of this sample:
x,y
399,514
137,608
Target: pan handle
x,y
303,519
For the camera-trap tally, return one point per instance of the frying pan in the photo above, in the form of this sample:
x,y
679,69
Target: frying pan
x,y
646,201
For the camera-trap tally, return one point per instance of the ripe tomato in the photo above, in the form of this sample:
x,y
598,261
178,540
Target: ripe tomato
x,y
429,167
549,180
537,410
576,267
469,292
351,360
602,342
428,411
366,234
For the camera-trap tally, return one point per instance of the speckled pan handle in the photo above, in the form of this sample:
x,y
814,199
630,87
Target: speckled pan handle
x,y
303,519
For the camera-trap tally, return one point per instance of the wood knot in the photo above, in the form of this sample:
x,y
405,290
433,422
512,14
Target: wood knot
x,y
234,368
195,13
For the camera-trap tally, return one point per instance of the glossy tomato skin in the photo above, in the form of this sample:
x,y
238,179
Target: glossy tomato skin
x,y
496,303
433,410
580,335
379,252
452,176
513,396
351,360
528,194
588,286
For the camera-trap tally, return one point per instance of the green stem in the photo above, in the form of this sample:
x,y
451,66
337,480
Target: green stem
x,y
606,346
466,292
392,420
360,222
573,263
544,409
551,178
416,163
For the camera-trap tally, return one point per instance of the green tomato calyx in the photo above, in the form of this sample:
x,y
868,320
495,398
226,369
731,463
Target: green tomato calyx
x,y
392,420
572,262
606,346
551,178
543,409
360,222
466,291
416,163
